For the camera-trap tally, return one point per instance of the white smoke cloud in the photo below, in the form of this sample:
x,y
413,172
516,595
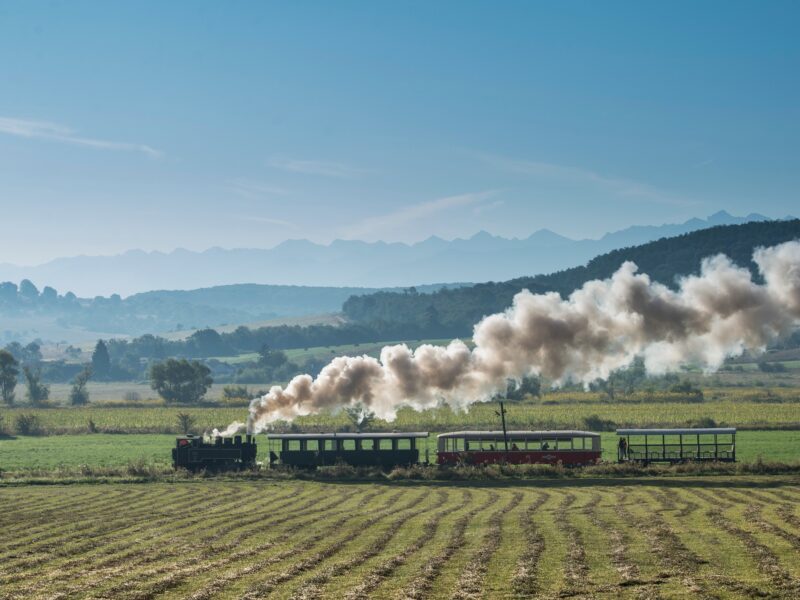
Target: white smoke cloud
x,y
601,327
234,428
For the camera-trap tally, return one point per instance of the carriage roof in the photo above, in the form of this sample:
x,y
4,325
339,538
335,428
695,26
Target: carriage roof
x,y
519,435
683,431
348,436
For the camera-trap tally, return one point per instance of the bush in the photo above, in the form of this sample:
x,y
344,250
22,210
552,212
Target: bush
x,y
766,367
141,468
26,424
597,423
235,394
37,392
185,423
79,394
691,392
705,422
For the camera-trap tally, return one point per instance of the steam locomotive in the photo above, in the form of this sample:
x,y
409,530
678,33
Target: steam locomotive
x,y
193,453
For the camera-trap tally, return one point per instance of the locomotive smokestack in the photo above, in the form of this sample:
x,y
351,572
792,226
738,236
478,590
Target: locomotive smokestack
x,y
599,328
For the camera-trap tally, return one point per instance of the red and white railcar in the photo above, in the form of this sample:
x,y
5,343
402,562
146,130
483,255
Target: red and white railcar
x,y
569,447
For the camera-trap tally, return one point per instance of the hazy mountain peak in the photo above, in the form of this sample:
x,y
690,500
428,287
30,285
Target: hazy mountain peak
x,y
345,262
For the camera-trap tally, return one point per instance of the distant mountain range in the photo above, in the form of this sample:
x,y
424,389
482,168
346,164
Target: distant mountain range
x,y
448,313
483,257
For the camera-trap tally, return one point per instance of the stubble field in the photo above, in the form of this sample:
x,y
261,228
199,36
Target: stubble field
x,y
738,537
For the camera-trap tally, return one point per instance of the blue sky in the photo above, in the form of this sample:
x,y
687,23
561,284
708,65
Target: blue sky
x,y
158,125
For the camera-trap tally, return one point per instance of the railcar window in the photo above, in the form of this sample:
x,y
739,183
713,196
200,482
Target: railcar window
x,y
312,445
404,444
368,444
329,444
348,444
293,445
385,444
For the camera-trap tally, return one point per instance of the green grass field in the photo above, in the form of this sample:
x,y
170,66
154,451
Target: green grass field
x,y
107,450
682,538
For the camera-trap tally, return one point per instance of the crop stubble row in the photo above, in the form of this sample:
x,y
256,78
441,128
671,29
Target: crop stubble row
x,y
313,540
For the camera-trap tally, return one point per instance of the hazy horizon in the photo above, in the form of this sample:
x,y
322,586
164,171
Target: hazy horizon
x,y
466,237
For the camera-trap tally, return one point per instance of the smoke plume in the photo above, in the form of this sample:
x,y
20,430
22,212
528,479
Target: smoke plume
x,y
601,327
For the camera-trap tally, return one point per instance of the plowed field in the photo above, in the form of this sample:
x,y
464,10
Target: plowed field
x,y
709,538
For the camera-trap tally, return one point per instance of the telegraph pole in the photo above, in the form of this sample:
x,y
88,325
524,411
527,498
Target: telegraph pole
x,y
502,415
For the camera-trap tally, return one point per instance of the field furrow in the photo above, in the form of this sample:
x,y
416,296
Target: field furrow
x,y
471,581
420,586
524,578
385,569
309,540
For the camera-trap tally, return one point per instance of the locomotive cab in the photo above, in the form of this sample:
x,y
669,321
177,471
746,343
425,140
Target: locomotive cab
x,y
194,453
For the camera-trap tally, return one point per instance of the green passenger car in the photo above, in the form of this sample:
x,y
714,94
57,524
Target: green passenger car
x,y
311,450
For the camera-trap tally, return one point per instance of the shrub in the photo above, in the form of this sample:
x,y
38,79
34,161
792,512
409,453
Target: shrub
x,y
26,424
597,423
185,423
706,422
141,468
79,394
37,392
236,394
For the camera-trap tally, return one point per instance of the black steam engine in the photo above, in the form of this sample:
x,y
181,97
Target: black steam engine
x,y
220,454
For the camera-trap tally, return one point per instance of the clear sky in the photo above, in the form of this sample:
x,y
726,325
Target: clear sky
x,y
158,125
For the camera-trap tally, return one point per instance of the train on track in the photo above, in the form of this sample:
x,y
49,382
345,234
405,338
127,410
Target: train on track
x,y
570,448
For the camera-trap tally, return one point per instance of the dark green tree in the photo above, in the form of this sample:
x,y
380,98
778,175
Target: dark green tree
x,y
37,392
529,386
180,381
101,361
9,370
360,416
267,357
79,394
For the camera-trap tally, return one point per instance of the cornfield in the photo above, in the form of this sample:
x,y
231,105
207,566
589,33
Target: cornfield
x,y
163,419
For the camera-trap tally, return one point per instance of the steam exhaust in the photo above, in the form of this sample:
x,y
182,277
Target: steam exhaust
x,y
601,327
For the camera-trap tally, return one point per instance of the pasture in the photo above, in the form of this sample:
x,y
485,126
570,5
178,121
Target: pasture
x,y
736,538
72,452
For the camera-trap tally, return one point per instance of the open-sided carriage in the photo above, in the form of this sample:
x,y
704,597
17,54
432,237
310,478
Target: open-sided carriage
x,y
676,445
311,450
220,454
570,448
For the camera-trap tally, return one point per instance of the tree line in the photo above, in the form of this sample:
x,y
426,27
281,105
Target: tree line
x,y
453,312
175,380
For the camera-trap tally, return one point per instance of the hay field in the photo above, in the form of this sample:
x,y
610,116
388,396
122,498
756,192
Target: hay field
x,y
737,537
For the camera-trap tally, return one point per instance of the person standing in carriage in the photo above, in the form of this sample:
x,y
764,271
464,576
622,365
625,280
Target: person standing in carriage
x,y
622,448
